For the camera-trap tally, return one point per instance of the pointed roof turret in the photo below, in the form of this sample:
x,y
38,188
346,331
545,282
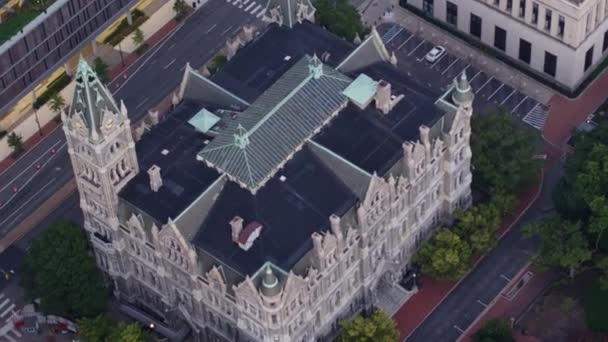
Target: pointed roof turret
x,y
270,283
315,66
463,93
93,110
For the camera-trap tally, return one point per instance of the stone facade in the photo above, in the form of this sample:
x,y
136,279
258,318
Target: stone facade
x,y
367,248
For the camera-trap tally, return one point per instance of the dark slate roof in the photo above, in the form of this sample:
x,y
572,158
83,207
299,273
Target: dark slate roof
x,y
259,64
202,90
184,178
290,211
253,146
372,140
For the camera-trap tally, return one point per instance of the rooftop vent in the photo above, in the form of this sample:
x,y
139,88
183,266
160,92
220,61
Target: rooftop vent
x,y
164,152
287,58
282,178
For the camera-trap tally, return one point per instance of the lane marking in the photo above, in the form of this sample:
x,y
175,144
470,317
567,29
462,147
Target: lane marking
x,y
245,2
448,68
209,30
31,149
407,40
458,328
11,307
482,303
28,168
505,100
261,13
226,30
505,277
477,74
6,301
22,205
168,65
422,42
519,104
249,6
257,8
142,102
496,91
488,81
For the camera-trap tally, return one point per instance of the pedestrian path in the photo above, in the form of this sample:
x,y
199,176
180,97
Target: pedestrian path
x,y
537,116
249,6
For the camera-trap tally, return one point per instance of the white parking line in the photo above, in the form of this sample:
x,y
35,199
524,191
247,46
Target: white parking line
x,y
245,2
477,74
458,328
449,66
249,6
208,30
505,100
416,48
519,104
225,31
11,307
440,58
505,277
496,91
482,303
488,81
257,8
261,13
407,40
395,35
169,64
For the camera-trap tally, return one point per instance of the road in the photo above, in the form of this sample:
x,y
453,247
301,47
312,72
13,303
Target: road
x,y
46,167
454,315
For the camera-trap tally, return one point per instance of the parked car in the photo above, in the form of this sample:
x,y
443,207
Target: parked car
x,y
435,53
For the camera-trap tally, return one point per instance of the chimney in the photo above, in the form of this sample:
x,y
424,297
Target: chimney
x,y
236,225
383,96
155,179
334,221
424,135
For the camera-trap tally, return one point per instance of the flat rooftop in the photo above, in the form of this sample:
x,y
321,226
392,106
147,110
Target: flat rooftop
x,y
172,145
259,64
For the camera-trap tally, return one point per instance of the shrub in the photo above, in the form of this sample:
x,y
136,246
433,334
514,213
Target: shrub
x,y
596,308
123,29
52,89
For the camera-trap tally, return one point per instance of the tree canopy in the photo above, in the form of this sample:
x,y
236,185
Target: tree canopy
x,y
503,153
339,17
380,327
495,330
445,255
562,243
60,270
101,329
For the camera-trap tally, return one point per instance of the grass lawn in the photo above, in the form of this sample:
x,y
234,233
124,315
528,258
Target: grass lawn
x,y
16,22
596,308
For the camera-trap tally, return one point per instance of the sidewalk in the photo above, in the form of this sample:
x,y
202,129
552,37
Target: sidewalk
x,y
46,115
159,18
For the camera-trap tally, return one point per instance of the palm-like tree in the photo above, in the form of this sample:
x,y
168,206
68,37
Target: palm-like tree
x,y
57,103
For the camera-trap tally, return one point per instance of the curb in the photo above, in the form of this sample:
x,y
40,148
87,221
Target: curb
x,y
493,302
540,187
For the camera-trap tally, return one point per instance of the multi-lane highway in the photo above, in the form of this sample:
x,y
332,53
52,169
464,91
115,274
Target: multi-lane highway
x,y
45,168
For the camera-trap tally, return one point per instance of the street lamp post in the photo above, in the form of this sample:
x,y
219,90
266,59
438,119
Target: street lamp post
x,y
122,60
36,113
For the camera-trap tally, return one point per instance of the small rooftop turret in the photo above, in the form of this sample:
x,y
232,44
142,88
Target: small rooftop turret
x,y
463,94
270,283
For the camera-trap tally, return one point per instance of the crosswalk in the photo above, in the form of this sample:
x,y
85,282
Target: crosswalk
x,y
249,6
537,116
8,332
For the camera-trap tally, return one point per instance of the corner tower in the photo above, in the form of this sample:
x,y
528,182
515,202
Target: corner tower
x,y
101,149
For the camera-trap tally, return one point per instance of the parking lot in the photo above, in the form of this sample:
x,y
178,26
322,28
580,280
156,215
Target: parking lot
x,y
410,51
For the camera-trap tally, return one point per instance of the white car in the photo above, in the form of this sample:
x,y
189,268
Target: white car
x,y
435,53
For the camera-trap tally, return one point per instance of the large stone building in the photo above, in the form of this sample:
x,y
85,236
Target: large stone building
x,y
561,40
282,194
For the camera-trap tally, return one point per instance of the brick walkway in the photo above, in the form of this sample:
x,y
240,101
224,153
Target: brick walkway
x,y
29,143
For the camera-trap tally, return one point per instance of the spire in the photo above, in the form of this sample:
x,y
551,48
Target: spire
x,y
462,94
270,283
357,39
93,104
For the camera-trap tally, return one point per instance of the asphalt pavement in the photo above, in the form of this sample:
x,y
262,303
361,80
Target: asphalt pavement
x,y
462,306
45,168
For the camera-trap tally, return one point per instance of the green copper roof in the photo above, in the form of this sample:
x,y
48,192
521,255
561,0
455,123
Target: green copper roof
x,y
253,147
361,90
204,120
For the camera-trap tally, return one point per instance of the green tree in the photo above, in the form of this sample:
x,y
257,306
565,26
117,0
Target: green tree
x,y
60,271
101,69
15,141
126,333
179,7
138,39
495,330
94,329
562,243
217,62
57,103
339,17
444,256
378,328
502,153
478,226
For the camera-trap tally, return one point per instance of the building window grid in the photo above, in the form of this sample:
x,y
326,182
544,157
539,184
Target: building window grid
x,y
500,38
522,8
509,5
451,13
534,13
525,50
550,65
561,26
605,45
475,26
548,17
588,58
427,6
